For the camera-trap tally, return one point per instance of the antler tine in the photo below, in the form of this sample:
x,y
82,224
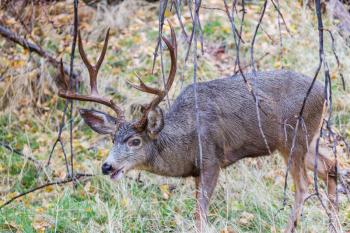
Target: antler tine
x,y
96,99
93,69
172,50
103,53
143,87
172,47
173,56
63,76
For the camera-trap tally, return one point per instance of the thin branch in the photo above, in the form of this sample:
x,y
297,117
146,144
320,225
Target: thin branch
x,y
277,7
58,182
336,58
59,140
8,147
256,61
75,35
62,124
2,74
177,6
9,35
212,8
254,72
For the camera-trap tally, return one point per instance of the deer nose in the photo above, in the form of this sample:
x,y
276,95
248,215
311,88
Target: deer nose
x,y
106,168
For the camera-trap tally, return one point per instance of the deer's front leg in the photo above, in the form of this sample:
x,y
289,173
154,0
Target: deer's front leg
x,y
205,185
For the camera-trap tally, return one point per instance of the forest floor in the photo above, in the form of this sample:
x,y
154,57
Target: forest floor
x,y
249,195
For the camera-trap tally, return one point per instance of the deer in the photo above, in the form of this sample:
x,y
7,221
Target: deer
x,y
167,143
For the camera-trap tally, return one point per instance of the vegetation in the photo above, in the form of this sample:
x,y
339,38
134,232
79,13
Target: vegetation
x,y
249,195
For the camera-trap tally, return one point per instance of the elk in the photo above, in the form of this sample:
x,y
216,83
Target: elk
x,y
167,143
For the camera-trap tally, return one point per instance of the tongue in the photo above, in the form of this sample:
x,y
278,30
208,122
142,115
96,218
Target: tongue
x,y
117,174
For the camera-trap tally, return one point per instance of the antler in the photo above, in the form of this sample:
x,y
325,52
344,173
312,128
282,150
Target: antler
x,y
93,71
172,47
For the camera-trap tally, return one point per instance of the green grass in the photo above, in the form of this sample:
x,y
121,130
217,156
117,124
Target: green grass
x,y
128,206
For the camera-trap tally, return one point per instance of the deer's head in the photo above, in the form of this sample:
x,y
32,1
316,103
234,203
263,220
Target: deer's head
x,y
131,140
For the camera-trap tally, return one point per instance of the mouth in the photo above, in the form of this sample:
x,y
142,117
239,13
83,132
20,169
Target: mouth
x,y
117,174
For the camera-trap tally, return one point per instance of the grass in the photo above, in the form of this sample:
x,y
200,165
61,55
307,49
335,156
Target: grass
x,y
249,195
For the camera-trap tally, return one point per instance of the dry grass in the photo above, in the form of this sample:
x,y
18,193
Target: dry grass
x,y
249,194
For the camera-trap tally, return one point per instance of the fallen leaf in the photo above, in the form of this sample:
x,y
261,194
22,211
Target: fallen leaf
x,y
164,188
246,219
227,230
40,224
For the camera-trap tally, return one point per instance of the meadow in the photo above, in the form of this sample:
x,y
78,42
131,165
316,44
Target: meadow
x,y
249,195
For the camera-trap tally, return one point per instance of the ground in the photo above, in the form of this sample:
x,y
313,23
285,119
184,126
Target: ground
x,y
249,195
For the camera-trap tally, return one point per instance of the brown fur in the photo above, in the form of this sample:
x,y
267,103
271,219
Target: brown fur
x,y
229,132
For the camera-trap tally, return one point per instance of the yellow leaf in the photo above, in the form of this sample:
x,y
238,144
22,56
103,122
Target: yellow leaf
x,y
333,75
136,39
227,230
167,13
12,195
49,189
226,29
102,153
124,202
246,219
164,188
116,70
277,64
40,224
40,210
293,28
17,64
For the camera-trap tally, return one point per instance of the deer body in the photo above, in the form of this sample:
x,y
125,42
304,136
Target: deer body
x,y
229,124
168,144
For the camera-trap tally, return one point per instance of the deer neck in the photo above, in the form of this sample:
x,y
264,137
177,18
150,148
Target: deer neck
x,y
170,154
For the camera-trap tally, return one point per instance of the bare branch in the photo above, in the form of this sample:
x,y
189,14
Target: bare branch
x,y
9,35
58,182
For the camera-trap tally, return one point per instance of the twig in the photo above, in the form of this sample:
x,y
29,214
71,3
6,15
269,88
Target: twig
x,y
176,4
254,72
2,74
58,182
198,126
75,34
336,58
6,33
277,7
199,156
8,147
62,124
59,140
192,32
256,61
161,17
212,8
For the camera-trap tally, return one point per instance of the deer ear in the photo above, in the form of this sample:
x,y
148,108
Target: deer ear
x,y
100,122
155,122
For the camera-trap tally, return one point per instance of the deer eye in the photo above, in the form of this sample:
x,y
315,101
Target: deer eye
x,y
134,142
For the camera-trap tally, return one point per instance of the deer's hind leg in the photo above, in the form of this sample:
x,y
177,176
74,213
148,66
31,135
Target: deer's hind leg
x,y
326,170
300,179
